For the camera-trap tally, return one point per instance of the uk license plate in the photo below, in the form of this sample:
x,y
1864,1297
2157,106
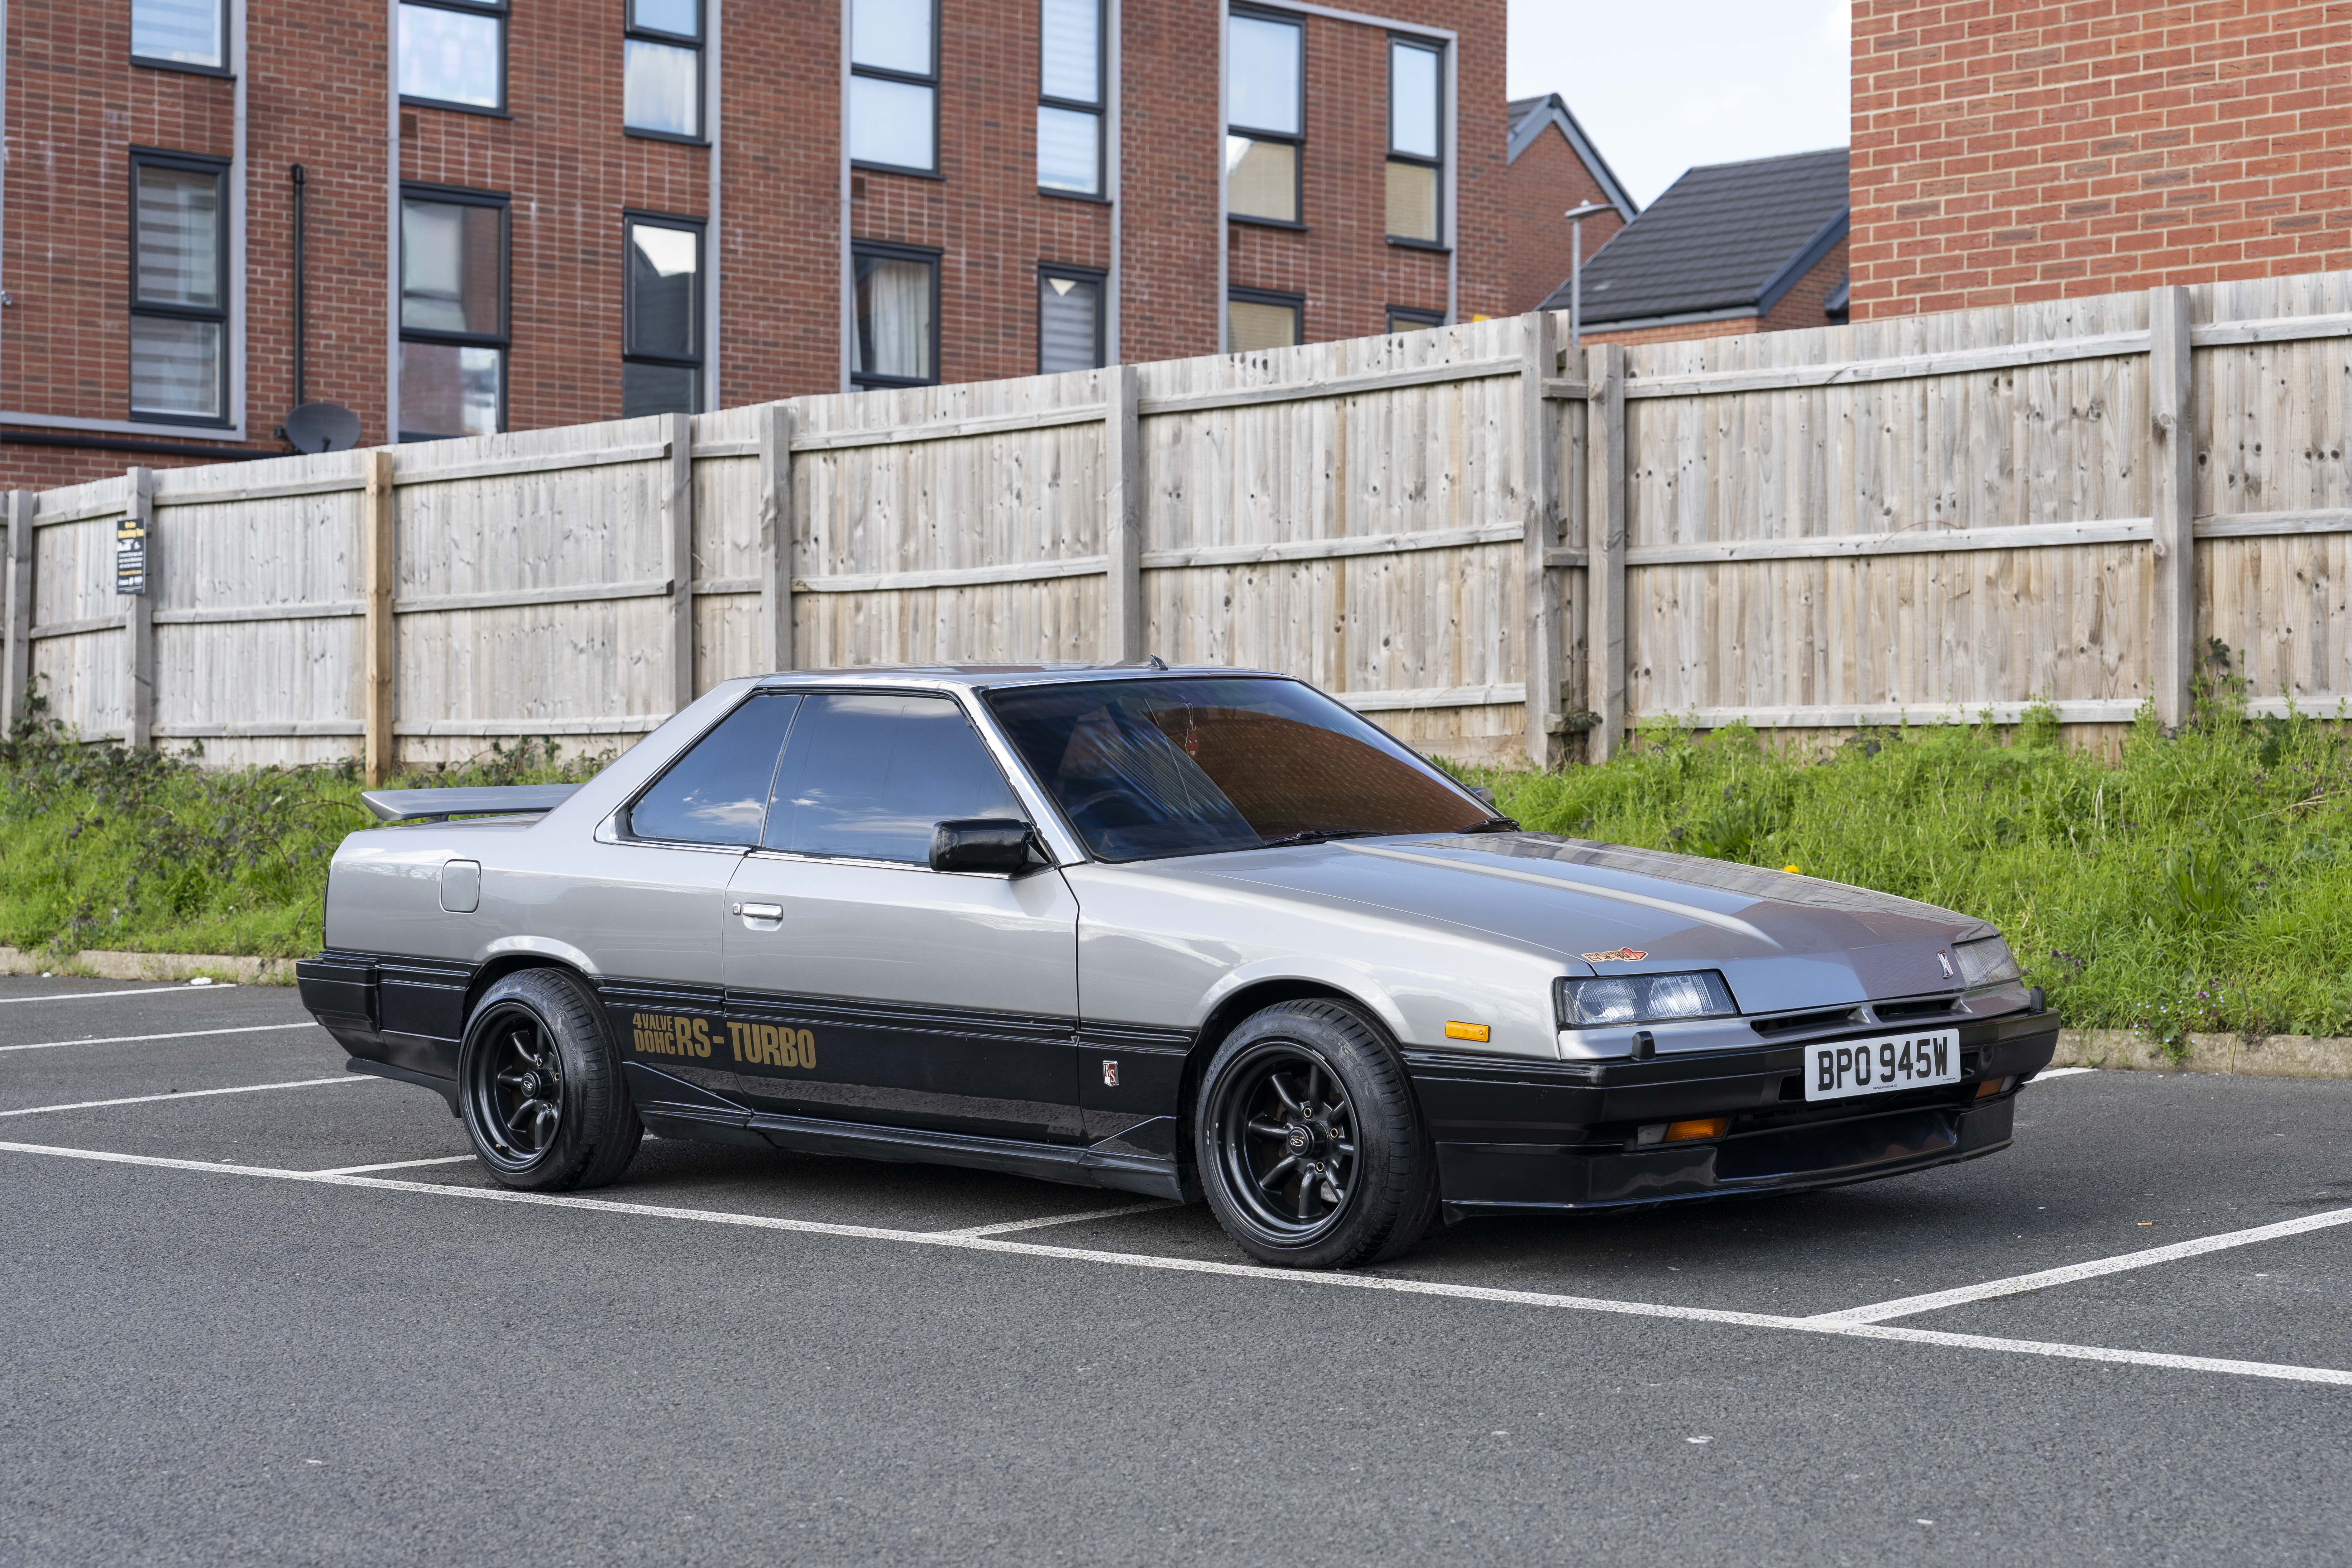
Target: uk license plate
x,y
1850,1068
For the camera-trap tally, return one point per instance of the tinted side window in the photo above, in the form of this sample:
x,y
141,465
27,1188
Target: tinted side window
x,y
868,776
718,792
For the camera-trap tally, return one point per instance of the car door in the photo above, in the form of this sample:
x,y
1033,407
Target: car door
x,y
862,985
656,888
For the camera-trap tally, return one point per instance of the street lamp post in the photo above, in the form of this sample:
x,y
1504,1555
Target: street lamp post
x,y
1576,217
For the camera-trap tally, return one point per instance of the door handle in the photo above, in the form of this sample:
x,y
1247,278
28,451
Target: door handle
x,y
761,911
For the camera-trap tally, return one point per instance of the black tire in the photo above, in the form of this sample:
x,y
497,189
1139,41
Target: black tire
x,y
1311,1151
540,1086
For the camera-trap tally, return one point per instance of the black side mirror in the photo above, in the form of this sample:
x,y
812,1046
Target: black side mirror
x,y
982,844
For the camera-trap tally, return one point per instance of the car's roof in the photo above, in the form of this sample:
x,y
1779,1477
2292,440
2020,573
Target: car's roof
x,y
998,675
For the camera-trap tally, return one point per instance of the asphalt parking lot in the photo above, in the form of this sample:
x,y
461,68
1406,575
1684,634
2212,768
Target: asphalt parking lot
x,y
263,1311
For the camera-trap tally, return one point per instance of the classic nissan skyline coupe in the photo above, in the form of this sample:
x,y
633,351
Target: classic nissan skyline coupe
x,y
1200,933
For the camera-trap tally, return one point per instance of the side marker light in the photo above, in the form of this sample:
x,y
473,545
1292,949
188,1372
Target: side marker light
x,y
1479,1032
1992,1086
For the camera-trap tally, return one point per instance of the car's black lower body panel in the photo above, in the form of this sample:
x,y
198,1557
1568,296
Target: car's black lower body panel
x,y
1524,1137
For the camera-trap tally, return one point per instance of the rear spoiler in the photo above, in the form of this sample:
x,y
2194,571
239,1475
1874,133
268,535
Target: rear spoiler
x,y
441,804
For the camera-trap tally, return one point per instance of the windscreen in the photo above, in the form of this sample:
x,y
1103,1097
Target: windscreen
x,y
1148,768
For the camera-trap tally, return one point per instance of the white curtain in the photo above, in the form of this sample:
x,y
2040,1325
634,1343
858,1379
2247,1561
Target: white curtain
x,y
893,319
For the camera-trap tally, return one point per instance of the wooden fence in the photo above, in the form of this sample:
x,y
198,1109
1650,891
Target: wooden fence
x,y
1924,519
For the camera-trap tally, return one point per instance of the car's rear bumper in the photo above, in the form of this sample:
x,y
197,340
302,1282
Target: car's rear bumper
x,y
1516,1137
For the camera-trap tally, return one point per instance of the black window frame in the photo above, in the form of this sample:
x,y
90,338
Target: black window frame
x,y
1296,140
630,218
1413,319
867,380
1101,281
1296,303
1099,108
502,341
885,73
228,11
1437,164
499,11
192,163
632,30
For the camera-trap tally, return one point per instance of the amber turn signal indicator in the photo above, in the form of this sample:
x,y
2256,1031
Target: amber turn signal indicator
x,y
1991,1087
1702,1127
1479,1032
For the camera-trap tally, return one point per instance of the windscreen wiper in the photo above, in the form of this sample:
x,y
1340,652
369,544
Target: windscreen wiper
x,y
1495,825
1317,836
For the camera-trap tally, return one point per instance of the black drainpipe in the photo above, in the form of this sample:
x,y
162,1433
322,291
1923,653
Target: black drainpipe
x,y
298,312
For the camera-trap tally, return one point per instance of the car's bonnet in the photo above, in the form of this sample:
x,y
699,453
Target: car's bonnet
x,y
1784,940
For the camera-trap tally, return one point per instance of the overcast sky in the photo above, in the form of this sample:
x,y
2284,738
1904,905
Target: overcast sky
x,y
1661,85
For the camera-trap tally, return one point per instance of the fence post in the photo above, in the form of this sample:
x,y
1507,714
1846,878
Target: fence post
x,y
15,659
778,533
139,618
380,573
1604,577
677,546
2172,499
1539,509
1123,617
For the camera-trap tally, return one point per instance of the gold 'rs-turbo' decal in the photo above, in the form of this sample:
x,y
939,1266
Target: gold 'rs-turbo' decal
x,y
670,1035
772,1045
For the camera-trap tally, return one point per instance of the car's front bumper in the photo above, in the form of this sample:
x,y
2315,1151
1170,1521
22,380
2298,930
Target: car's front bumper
x,y
1516,1136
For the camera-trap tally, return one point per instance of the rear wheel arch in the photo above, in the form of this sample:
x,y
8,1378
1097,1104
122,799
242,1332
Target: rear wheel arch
x,y
500,965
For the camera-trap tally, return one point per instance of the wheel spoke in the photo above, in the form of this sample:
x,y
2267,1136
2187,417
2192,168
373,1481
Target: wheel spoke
x,y
1266,1129
1289,1101
528,1109
1308,1181
1334,1191
542,1127
1344,1147
1273,1177
512,1077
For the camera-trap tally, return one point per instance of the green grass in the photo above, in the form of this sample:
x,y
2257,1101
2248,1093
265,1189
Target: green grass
x,y
104,847
2200,881
2197,881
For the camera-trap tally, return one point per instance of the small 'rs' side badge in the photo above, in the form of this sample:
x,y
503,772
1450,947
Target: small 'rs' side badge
x,y
1110,1073
1948,966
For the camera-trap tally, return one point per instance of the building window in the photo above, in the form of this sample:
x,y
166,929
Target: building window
x,y
1069,319
661,68
898,341
1416,148
1256,319
1404,320
894,84
181,33
453,313
1070,96
661,342
179,289
1265,97
453,53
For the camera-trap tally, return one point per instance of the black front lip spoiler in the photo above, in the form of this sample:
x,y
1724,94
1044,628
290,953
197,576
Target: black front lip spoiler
x,y
1521,1137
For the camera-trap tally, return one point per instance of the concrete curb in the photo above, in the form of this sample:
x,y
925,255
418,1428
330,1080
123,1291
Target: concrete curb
x,y
2258,1056
101,964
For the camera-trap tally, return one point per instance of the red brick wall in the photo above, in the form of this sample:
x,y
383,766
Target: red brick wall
x,y
1802,305
318,86
2020,151
1548,179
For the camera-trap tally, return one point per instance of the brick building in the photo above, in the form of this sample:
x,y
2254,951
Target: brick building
x,y
2022,152
1554,169
661,204
1752,246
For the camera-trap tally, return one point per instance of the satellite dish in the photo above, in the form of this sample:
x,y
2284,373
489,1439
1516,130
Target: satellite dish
x,y
321,428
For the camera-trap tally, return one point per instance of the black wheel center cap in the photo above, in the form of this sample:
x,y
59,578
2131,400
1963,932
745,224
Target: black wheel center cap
x,y
1301,1138
529,1086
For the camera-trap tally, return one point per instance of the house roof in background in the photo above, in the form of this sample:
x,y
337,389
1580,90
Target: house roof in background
x,y
1725,239
1530,116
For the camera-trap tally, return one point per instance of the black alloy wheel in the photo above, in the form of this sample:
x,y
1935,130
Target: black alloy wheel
x,y
540,1086
1311,1148
1289,1140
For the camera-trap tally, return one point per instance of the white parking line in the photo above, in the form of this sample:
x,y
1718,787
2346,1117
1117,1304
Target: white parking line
x,y
182,1035
390,1165
143,991
1936,1299
194,1094
1236,1271
1012,1224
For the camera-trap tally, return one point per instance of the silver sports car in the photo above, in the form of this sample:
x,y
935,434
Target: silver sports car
x,y
1201,934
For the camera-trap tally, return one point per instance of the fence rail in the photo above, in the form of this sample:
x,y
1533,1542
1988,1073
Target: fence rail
x,y
1497,549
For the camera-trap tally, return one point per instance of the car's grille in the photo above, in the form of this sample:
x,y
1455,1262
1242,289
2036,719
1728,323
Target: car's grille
x,y
1793,1023
1896,1012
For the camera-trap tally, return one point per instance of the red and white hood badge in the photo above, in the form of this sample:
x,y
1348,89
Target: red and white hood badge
x,y
1622,955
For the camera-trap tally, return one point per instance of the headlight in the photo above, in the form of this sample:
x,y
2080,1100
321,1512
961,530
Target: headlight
x,y
1644,999
1985,962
